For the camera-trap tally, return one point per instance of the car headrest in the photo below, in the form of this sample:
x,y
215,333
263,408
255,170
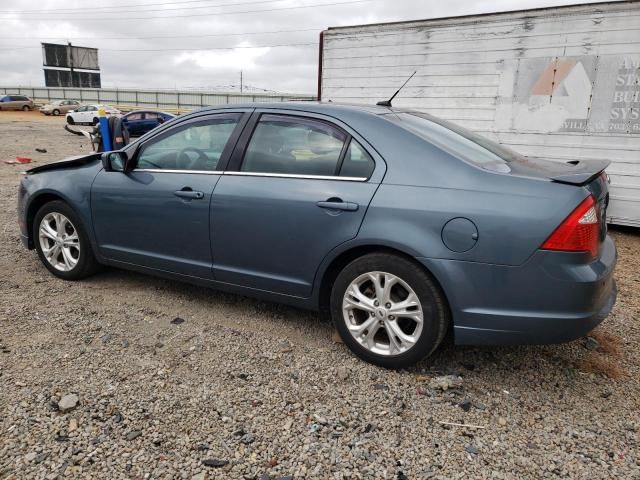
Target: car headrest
x,y
317,142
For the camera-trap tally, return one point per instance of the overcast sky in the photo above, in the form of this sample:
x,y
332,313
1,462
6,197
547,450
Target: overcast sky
x,y
203,43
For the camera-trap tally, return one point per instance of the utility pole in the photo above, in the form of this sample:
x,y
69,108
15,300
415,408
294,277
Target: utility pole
x,y
71,63
241,86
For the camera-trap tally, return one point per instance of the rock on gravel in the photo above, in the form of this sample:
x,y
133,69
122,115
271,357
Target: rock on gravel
x,y
133,435
68,402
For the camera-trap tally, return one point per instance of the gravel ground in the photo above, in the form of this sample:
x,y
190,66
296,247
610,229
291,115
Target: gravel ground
x,y
126,376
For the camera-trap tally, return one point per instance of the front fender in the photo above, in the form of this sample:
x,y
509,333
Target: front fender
x,y
71,185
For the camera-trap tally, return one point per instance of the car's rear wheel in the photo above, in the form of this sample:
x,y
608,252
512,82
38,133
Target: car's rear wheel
x,y
62,243
56,112
388,310
71,121
26,108
95,121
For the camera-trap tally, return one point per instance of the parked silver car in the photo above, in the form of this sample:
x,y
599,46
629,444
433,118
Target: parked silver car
x,y
16,102
58,107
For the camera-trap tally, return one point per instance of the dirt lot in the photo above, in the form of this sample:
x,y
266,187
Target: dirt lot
x,y
257,390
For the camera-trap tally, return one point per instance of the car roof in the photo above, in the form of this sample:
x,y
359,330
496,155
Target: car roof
x,y
332,108
149,111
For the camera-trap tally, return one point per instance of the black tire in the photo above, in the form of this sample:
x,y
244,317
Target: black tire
x,y
436,316
86,264
96,120
56,112
26,108
71,121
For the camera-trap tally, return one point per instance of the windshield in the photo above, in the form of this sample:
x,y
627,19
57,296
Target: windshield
x,y
456,140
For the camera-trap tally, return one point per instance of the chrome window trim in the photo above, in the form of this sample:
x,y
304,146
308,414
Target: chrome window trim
x,y
162,170
254,174
293,175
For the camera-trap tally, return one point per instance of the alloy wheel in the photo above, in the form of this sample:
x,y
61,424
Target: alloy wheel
x,y
383,313
59,241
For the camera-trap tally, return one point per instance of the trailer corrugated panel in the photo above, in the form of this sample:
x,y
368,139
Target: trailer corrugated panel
x,y
558,83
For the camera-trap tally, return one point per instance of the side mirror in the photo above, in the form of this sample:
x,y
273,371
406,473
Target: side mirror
x,y
114,161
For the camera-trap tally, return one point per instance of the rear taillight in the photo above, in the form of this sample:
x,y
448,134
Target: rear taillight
x,y
579,232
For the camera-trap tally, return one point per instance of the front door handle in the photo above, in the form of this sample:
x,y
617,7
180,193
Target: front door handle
x,y
187,193
338,204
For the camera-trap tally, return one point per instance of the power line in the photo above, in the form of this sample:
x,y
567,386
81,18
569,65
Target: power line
x,y
121,37
97,19
93,8
315,44
144,10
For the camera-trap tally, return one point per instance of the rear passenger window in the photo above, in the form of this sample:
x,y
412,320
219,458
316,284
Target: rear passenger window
x,y
293,145
357,162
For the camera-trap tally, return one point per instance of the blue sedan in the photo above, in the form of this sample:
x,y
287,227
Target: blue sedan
x,y
401,225
140,122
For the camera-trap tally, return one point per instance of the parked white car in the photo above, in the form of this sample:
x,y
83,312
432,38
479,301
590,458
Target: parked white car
x,y
88,114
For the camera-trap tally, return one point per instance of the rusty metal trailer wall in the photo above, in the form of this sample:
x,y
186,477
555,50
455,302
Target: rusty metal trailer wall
x,y
558,83
163,99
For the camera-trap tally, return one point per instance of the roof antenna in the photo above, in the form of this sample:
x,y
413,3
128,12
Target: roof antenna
x,y
387,103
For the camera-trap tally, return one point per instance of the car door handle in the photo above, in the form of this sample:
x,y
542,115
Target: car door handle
x,y
337,204
189,194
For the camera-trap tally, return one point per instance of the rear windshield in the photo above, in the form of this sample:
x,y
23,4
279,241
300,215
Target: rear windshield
x,y
456,140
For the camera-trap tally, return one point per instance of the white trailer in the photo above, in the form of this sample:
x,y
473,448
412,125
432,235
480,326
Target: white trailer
x,y
557,83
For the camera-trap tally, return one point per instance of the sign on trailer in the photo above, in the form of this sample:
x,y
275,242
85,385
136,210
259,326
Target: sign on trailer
x,y
557,83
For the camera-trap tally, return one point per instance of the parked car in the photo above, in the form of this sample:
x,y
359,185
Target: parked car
x,y
16,102
88,114
58,107
401,225
140,122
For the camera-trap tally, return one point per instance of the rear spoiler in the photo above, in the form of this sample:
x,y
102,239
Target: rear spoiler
x,y
582,172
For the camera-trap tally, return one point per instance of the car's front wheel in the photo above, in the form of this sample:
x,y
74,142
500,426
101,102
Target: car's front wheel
x,y
62,243
26,108
71,121
56,112
388,310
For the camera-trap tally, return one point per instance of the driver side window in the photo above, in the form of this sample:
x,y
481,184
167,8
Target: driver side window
x,y
196,146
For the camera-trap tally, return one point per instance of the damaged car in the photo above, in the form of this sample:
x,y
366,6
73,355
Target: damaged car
x,y
402,226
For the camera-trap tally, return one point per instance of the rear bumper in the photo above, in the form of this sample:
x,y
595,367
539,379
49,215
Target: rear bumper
x,y
554,297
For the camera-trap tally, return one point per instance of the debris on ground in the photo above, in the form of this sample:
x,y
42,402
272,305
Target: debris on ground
x,y
18,160
446,382
471,449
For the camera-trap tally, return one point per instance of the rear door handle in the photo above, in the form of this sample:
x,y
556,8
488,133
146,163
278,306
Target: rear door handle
x,y
189,194
337,204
